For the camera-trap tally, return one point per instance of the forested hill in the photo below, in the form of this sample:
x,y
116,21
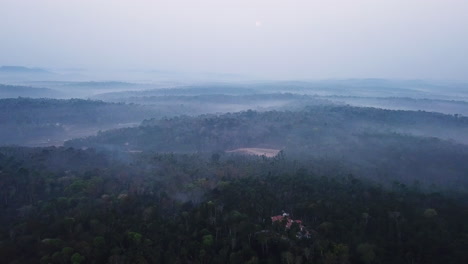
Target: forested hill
x,y
12,91
381,144
71,111
279,129
28,121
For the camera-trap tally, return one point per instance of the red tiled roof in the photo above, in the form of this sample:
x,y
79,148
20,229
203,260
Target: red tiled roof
x,y
279,218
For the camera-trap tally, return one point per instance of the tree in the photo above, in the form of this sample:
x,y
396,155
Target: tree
x,y
77,258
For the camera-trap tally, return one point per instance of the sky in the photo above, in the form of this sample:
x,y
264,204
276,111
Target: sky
x,y
270,39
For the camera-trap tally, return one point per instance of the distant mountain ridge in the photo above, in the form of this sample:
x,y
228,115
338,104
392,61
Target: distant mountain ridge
x,y
13,91
21,69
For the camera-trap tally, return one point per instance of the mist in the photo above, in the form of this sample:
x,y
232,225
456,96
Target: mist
x,y
417,39
219,131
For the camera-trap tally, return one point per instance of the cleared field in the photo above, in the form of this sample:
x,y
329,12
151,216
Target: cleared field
x,y
256,151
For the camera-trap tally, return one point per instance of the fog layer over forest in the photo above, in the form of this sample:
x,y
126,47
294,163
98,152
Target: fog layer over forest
x,y
219,171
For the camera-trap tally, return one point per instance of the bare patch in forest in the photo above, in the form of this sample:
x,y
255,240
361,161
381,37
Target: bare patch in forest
x,y
256,151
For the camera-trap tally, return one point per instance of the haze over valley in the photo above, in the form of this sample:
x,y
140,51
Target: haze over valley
x,y
234,131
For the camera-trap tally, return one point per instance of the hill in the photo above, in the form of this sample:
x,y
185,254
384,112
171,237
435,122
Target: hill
x,y
45,122
12,91
21,69
381,144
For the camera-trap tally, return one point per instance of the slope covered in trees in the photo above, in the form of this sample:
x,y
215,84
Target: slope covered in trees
x,y
28,121
380,144
9,91
166,208
348,184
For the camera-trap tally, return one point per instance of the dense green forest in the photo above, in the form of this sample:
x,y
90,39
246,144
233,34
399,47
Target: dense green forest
x,y
195,208
233,132
71,111
158,178
25,120
279,128
379,144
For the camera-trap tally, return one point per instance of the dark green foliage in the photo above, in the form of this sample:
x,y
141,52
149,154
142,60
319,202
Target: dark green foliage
x,y
379,144
30,121
168,208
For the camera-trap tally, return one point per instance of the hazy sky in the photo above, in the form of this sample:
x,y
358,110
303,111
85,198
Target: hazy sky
x,y
267,38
